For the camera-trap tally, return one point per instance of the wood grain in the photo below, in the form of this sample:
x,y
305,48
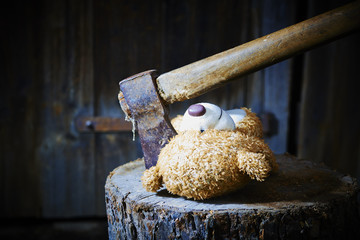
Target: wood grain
x,y
301,201
329,111
67,158
277,78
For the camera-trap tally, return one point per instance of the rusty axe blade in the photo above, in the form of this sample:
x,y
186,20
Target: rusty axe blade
x,y
143,104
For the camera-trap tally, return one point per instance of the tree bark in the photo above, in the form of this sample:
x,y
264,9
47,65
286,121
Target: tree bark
x,y
302,200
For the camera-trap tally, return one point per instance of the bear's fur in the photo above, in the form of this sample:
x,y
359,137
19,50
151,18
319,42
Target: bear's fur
x,y
201,165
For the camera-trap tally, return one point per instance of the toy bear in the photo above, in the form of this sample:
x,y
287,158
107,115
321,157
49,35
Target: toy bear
x,y
214,153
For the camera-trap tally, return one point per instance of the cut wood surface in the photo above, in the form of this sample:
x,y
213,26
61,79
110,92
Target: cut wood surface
x,y
302,200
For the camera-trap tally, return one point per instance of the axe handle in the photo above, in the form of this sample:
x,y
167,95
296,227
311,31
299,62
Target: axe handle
x,y
199,77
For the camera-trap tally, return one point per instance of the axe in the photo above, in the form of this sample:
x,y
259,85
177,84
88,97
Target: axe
x,y
144,97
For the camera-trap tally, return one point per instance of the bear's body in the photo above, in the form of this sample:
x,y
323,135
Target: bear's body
x,y
208,163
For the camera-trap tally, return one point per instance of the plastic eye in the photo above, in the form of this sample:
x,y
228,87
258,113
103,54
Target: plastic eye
x,y
196,110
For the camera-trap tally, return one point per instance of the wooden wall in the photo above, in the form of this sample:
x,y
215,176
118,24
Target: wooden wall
x,y
63,59
329,112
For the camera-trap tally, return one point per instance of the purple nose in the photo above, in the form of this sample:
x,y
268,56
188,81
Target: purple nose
x,y
196,110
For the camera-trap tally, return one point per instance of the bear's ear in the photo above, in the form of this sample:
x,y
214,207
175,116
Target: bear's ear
x,y
151,179
250,125
254,164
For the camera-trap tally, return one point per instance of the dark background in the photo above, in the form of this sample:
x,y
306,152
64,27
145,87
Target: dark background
x,y
61,60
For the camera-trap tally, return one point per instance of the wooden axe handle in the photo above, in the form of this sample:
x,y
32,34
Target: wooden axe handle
x,y
199,77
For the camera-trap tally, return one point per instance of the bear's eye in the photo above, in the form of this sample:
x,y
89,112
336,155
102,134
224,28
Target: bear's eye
x,y
201,130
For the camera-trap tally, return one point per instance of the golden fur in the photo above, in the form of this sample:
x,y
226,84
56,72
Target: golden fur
x,y
202,165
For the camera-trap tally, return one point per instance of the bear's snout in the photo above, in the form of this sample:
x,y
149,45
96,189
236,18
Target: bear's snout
x,y
203,116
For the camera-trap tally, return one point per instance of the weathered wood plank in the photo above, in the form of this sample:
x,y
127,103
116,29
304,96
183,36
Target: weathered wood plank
x,y
301,201
277,78
254,83
20,109
66,157
329,131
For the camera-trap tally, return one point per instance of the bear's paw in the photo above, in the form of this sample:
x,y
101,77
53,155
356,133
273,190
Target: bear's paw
x,y
254,164
151,179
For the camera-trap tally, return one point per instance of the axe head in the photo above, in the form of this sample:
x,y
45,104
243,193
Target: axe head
x,y
141,102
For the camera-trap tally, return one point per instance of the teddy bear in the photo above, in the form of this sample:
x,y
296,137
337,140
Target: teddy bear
x,y
215,152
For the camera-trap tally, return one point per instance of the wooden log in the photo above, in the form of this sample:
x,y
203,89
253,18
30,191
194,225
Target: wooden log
x,y
303,200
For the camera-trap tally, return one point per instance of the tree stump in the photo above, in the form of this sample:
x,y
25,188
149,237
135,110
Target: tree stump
x,y
303,200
